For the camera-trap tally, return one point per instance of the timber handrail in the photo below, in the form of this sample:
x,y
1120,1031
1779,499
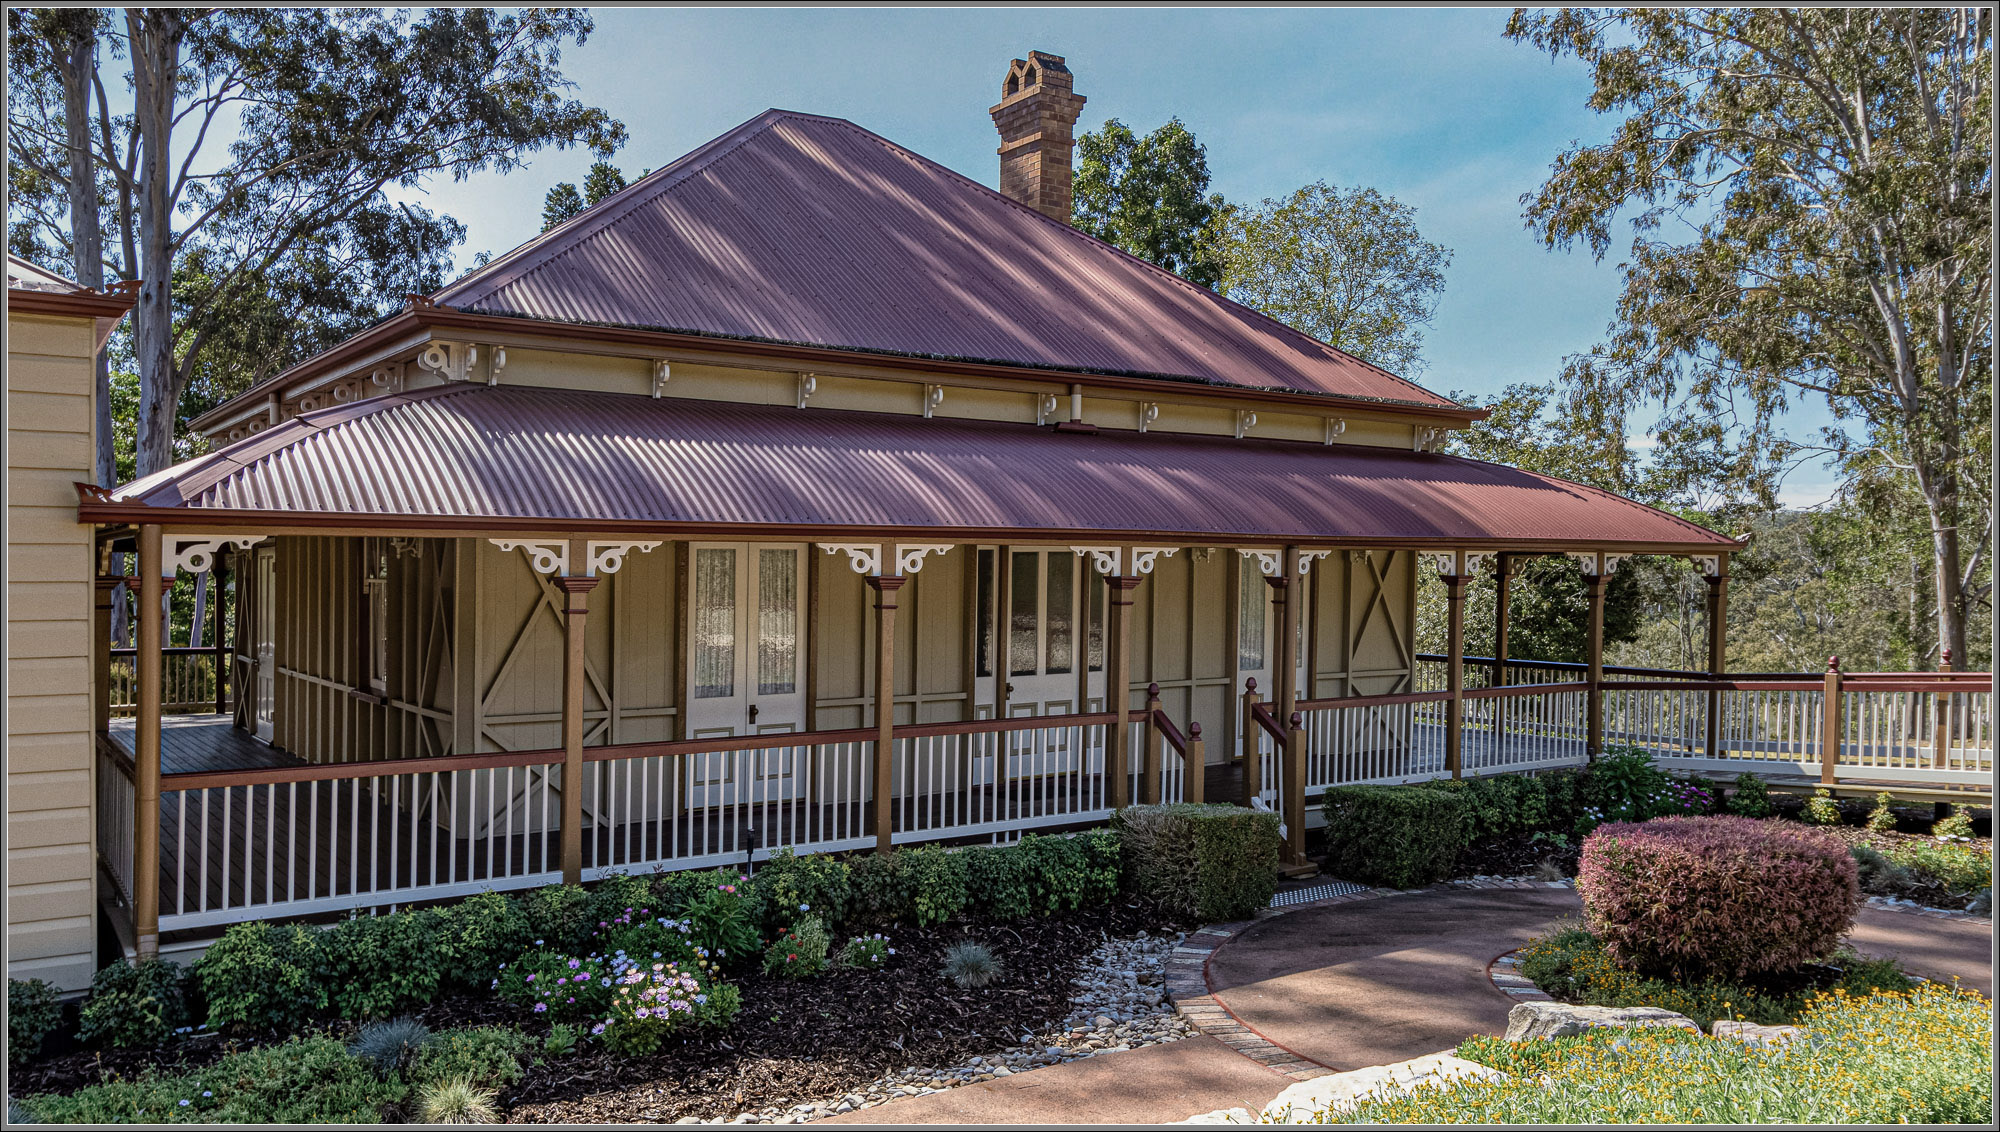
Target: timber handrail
x,y
1261,713
1170,733
1392,698
1521,691
170,650
371,768
1012,723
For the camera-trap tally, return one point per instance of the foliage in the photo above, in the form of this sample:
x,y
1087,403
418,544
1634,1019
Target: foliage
x,y
1145,195
301,1081
1347,266
651,1004
1919,1058
867,952
799,952
491,1057
923,886
1882,819
456,1100
795,886
250,256
32,1015
562,1040
1752,798
1502,804
1395,835
1208,862
564,201
557,915
134,1004
723,919
972,965
1957,867
1821,809
1876,872
1725,896
1623,784
1825,177
1571,964
262,976
997,882
388,1046
1956,825
565,987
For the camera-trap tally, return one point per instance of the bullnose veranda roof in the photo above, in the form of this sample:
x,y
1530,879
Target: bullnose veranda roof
x,y
517,456
812,231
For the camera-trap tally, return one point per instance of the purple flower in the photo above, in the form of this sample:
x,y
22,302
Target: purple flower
x,y
541,1006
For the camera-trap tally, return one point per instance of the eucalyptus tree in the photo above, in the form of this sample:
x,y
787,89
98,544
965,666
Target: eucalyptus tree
x,y
250,154
1149,195
1347,266
1811,199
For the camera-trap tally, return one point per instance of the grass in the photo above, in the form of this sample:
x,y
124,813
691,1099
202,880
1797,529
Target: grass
x,y
1570,964
1921,1057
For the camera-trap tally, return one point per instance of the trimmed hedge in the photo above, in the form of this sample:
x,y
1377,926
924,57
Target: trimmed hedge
x,y
1400,836
1212,862
1716,896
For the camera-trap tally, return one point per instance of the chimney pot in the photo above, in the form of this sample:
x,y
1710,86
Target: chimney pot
x,y
1036,118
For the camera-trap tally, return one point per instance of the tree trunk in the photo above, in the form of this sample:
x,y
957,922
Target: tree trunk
x,y
78,64
156,35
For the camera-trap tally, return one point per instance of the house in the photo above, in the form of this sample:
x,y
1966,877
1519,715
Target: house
x,y
807,493
55,329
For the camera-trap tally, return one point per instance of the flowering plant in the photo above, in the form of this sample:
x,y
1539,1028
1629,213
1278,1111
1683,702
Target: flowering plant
x,y
723,920
652,1002
798,952
571,988
869,952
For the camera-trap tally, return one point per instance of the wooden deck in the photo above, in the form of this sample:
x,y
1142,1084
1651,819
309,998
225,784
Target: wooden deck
x,y
190,743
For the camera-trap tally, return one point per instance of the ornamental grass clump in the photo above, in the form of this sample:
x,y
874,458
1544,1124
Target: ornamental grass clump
x,y
1716,896
970,965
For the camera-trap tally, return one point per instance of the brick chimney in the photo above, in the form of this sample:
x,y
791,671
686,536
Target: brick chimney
x,y
1037,122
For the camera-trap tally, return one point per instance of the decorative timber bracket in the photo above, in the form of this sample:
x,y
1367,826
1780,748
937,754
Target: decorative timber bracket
x,y
601,556
196,553
1710,565
866,558
1270,562
1597,562
1108,559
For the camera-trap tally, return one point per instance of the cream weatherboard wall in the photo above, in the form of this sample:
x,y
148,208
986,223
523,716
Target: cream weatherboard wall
x,y
51,866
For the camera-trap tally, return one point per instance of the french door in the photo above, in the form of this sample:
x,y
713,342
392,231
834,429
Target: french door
x,y
1040,651
264,626
745,665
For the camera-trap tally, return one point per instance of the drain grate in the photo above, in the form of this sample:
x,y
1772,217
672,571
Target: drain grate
x,y
1293,896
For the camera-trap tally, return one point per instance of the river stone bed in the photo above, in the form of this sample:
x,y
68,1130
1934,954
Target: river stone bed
x,y
1118,1002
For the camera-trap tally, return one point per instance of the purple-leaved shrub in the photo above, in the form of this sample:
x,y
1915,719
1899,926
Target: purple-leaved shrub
x,y
1716,896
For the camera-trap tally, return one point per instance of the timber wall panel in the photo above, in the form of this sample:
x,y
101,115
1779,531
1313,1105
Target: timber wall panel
x,y
50,763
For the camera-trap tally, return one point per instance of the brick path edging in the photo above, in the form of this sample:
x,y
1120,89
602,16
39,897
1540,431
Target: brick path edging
x,y
1188,986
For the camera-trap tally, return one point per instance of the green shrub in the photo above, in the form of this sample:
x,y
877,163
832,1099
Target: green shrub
x,y
1919,1058
998,882
1821,809
1877,872
491,1057
1402,836
799,952
1959,868
134,1004
1955,826
1209,862
1752,798
564,987
794,887
302,1081
1727,896
623,896
380,965
1882,819
32,1015
556,916
920,886
477,934
265,976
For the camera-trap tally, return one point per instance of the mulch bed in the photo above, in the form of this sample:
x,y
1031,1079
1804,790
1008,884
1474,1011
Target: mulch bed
x,y
1514,855
795,1040
799,1040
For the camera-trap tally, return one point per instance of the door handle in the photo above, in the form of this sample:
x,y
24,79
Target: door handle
x,y
753,713
1010,688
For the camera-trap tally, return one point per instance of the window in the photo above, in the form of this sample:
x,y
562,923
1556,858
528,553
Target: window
x,y
714,623
1024,644
1250,616
1061,635
983,640
1095,636
375,606
777,622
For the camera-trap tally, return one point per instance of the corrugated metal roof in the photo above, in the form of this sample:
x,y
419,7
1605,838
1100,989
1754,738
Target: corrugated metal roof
x,y
812,231
570,457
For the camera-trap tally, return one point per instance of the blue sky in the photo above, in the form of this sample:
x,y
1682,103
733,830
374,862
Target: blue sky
x,y
1432,106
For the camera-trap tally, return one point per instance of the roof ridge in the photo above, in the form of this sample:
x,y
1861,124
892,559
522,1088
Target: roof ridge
x,y
1141,261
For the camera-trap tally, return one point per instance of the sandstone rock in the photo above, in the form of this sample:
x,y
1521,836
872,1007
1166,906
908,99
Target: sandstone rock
x,y
1751,1034
1300,1103
1560,1019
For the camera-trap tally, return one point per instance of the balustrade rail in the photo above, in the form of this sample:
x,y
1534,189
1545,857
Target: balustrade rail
x,y
187,681
306,839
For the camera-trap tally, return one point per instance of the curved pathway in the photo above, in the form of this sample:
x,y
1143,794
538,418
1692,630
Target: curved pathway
x,y
1367,979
